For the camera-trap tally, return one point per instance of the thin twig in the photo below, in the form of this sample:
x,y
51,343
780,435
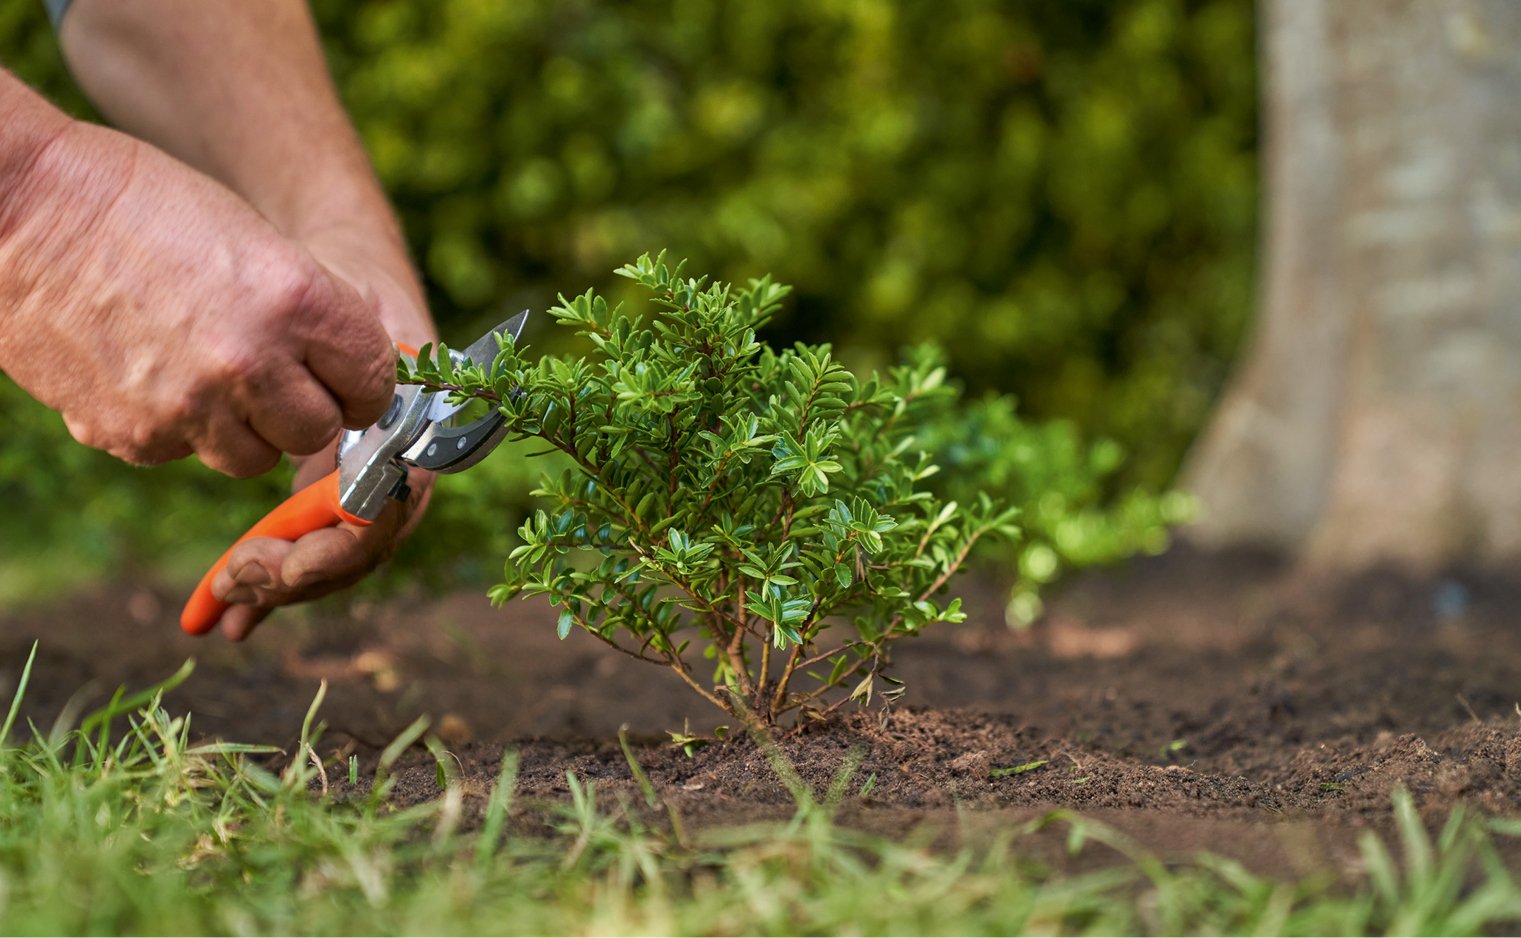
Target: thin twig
x,y
680,668
613,644
781,684
826,655
942,579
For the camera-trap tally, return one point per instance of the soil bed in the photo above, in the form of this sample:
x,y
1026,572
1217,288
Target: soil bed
x,y
1194,701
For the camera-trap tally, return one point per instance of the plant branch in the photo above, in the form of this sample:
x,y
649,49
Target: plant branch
x,y
480,394
803,698
826,655
944,577
781,684
680,668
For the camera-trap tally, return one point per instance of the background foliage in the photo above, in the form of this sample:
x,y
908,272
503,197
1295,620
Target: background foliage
x,y
1060,194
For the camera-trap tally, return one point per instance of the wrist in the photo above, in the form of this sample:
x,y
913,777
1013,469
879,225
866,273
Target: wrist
x,y
58,180
59,177
31,126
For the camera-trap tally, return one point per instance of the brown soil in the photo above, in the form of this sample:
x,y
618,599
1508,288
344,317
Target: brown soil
x,y
1193,701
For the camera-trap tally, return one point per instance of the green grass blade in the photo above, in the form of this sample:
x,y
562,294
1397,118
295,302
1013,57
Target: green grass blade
x,y
497,807
645,786
133,702
10,718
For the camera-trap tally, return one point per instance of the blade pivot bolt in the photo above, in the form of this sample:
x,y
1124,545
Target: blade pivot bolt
x,y
389,417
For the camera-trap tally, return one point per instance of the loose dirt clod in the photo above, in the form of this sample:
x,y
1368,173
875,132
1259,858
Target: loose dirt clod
x,y
453,730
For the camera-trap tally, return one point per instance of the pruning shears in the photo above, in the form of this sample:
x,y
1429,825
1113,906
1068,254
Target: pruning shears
x,y
417,430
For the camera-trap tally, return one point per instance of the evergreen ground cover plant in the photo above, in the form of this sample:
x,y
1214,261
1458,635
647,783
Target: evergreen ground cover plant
x,y
764,510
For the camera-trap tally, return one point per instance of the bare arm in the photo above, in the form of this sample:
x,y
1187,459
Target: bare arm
x,y
240,91
29,123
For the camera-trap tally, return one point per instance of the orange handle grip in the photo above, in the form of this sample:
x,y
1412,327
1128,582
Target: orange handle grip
x,y
311,509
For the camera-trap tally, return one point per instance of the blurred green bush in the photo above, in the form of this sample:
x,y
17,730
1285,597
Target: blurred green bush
x,y
1062,194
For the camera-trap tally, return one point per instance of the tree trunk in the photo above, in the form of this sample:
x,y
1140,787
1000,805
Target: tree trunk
x,y
1377,414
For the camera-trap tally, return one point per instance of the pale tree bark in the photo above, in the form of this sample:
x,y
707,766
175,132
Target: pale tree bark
x,y
1377,414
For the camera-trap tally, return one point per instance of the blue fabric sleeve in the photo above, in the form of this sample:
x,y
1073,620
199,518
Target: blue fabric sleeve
x,y
56,10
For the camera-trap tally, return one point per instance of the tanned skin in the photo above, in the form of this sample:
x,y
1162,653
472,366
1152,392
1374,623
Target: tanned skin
x,y
219,275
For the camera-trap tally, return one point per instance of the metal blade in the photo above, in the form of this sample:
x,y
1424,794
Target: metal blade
x,y
480,352
451,449
483,350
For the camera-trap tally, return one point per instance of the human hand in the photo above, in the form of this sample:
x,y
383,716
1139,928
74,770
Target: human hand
x,y
161,315
264,573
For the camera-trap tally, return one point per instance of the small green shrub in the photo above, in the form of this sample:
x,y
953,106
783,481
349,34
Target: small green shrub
x,y
765,510
1059,481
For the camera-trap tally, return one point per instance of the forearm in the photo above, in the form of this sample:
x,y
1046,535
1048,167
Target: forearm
x,y
52,185
240,91
236,89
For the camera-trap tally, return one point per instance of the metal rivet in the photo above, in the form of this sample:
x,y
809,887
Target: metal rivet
x,y
389,417
432,448
461,443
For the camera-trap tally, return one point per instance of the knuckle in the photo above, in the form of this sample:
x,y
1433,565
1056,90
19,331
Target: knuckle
x,y
85,433
380,374
140,442
150,445
228,365
298,289
180,415
289,281
373,385
228,373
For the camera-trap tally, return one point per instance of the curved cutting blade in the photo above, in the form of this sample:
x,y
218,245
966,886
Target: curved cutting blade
x,y
480,352
484,349
444,448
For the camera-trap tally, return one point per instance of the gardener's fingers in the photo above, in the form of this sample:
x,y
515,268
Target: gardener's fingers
x,y
239,621
264,573
269,572
348,349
